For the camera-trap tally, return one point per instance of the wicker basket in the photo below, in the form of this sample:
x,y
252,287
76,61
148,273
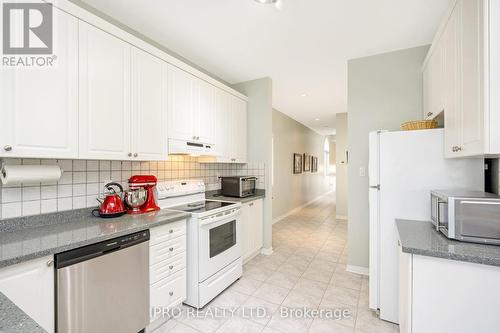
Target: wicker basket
x,y
419,125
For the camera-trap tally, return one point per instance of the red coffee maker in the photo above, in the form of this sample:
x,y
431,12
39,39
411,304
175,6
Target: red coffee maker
x,y
140,197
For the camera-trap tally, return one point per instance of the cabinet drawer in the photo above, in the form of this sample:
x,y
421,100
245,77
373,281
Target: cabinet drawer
x,y
167,232
166,250
167,267
170,291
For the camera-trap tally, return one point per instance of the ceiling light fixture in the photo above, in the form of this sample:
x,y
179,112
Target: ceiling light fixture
x,y
303,95
266,2
317,119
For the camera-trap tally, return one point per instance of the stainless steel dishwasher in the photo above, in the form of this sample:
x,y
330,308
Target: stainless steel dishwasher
x,y
104,287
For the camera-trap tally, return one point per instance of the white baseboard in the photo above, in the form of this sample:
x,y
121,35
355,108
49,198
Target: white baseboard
x,y
358,270
267,251
341,217
296,209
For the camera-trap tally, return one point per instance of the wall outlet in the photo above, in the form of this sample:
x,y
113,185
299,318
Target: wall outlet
x,y
362,172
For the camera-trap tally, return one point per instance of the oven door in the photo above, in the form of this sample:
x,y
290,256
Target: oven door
x,y
220,239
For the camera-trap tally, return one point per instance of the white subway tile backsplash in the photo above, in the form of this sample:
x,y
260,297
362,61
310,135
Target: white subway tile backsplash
x,y
64,191
79,165
11,194
83,181
11,209
92,165
49,206
31,193
49,192
64,204
31,207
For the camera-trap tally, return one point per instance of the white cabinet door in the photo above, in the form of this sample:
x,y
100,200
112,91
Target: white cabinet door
x,y
104,95
30,285
246,232
472,96
223,128
405,291
180,104
258,223
240,109
40,105
426,80
252,227
149,99
463,299
451,85
204,112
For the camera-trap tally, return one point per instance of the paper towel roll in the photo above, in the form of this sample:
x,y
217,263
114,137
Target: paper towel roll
x,y
19,174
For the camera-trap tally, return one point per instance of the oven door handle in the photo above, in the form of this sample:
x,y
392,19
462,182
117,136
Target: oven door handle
x,y
219,217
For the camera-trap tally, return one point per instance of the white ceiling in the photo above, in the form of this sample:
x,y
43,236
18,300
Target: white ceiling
x,y
303,46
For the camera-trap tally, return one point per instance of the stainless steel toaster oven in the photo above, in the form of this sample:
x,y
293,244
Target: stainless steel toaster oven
x,y
238,186
467,216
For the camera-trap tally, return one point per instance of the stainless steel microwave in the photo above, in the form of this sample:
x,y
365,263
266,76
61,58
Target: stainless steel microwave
x,y
238,186
468,216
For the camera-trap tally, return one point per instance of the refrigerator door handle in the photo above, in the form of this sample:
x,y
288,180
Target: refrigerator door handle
x,y
376,186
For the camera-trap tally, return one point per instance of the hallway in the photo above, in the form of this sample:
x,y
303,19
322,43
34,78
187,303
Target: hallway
x,y
306,270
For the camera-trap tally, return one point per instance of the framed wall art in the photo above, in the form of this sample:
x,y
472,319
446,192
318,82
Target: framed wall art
x,y
297,163
307,162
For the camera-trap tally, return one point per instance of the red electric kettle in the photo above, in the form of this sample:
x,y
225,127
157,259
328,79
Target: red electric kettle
x,y
112,205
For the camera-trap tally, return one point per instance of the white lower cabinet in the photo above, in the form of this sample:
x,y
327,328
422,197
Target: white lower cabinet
x,y
167,272
252,219
441,295
30,285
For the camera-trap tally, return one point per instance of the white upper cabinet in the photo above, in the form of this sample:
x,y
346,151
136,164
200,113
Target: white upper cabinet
x,y
149,106
180,104
469,85
204,111
230,128
40,105
104,95
191,110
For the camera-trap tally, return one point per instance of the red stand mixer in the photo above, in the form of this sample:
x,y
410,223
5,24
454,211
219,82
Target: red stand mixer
x,y
140,197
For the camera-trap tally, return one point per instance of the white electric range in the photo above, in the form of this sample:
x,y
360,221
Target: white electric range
x,y
213,238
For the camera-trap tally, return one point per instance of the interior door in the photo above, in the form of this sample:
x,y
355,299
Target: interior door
x,y
180,104
149,98
40,105
104,95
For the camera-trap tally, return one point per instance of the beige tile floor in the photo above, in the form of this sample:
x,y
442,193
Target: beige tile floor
x,y
306,270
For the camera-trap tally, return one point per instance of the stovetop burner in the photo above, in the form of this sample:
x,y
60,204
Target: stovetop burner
x,y
202,206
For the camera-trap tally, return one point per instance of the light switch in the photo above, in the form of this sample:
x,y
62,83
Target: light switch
x,y
362,172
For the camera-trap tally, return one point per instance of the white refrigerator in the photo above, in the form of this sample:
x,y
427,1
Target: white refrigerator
x,y
403,168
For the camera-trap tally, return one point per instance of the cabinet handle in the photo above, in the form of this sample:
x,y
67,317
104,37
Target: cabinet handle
x,y
50,263
456,149
429,114
197,138
171,249
135,155
7,148
170,267
194,138
250,204
129,154
171,293
170,231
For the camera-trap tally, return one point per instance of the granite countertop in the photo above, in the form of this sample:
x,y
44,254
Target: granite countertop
x,y
421,238
216,195
14,320
26,238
